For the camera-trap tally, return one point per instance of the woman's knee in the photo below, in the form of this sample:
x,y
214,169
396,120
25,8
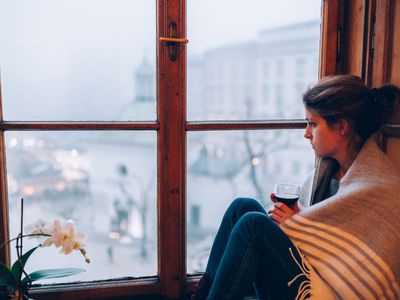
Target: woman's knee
x,y
256,221
246,204
243,205
257,218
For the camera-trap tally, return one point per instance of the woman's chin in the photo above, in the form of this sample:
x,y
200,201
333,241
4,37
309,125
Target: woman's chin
x,y
317,154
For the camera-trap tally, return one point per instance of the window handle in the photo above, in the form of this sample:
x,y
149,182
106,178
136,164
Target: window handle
x,y
173,41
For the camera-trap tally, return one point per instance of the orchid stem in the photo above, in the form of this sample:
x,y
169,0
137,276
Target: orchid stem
x,y
24,235
19,248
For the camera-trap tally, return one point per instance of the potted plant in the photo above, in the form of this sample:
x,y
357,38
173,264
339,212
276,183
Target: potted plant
x,y
15,281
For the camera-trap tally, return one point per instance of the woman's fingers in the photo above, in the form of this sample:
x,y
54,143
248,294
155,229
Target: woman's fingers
x,y
272,197
283,207
276,218
296,208
280,212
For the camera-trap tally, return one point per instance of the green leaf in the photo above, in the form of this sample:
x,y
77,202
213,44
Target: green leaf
x,y
51,273
6,276
16,267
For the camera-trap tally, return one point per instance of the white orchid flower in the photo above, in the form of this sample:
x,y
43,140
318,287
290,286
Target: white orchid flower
x,y
37,230
62,236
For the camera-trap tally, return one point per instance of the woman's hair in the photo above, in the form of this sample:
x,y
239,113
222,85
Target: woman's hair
x,y
347,97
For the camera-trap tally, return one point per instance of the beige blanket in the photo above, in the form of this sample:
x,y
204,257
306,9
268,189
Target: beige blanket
x,y
352,239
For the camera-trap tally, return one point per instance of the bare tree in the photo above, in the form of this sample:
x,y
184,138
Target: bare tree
x,y
261,147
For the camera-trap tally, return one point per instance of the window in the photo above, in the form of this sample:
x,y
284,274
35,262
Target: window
x,y
266,69
265,93
95,128
261,57
280,68
100,180
93,90
301,66
262,50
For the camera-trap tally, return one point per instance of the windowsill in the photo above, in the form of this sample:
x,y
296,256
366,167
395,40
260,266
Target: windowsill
x,y
111,289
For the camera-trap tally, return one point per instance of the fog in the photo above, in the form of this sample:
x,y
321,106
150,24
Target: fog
x,y
215,23
72,58
75,60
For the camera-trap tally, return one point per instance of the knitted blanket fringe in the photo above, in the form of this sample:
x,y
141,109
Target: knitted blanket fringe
x,y
304,287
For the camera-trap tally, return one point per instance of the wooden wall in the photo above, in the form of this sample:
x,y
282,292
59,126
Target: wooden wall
x,y
393,147
395,55
371,50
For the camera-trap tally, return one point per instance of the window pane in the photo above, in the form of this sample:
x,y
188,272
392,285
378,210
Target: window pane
x,y
104,181
251,64
78,60
225,165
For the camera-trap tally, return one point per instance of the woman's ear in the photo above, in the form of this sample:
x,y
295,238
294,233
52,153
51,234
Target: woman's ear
x,y
344,127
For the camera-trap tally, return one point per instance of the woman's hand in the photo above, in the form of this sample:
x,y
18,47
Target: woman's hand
x,y
280,211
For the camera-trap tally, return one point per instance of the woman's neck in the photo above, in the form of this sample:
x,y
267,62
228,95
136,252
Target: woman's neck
x,y
346,161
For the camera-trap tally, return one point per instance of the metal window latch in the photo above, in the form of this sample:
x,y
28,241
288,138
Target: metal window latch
x,y
173,42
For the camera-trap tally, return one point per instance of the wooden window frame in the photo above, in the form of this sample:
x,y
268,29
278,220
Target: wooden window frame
x,y
172,127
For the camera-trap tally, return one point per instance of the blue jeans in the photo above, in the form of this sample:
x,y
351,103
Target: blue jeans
x,y
251,249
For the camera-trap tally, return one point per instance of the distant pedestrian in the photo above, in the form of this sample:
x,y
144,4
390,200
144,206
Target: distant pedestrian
x,y
110,254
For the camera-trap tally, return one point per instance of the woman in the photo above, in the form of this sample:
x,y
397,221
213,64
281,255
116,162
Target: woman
x,y
342,239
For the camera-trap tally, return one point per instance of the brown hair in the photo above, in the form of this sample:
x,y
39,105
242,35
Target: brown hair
x,y
347,97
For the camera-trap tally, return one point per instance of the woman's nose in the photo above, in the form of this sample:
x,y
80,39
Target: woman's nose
x,y
307,134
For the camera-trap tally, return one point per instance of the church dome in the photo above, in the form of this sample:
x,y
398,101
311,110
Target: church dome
x,y
143,106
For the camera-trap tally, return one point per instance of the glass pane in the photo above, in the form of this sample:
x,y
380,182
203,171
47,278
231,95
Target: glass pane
x,y
256,63
225,165
104,181
78,60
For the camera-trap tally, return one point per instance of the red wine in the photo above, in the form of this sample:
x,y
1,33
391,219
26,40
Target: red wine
x,y
288,199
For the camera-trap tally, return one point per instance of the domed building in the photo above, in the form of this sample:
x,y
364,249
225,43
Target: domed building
x,y
142,107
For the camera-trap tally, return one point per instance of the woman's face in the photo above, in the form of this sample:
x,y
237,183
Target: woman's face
x,y
325,140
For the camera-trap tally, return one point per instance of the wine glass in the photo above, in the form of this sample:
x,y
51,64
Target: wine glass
x,y
287,193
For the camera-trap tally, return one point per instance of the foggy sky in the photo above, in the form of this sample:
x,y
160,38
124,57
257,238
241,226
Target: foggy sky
x,y
75,59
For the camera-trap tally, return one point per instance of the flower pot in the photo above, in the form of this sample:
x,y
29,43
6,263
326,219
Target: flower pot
x,y
7,294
